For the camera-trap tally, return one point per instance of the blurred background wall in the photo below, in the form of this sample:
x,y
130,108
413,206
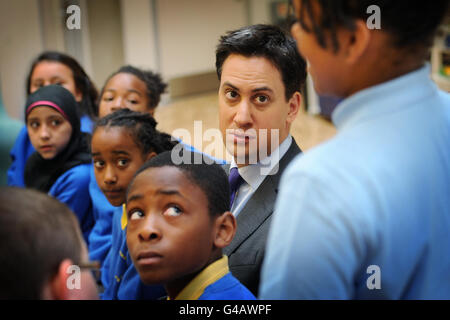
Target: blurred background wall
x,y
174,37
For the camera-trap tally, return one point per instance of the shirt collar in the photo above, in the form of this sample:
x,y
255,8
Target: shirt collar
x,y
206,277
384,98
254,174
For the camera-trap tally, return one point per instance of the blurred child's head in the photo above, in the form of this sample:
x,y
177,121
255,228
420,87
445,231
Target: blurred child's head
x,y
178,220
131,88
40,241
51,119
121,142
52,67
345,55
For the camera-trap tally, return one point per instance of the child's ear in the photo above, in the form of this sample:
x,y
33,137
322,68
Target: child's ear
x,y
225,229
150,155
57,288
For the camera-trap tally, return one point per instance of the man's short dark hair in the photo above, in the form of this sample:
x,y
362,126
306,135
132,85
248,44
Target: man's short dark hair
x,y
411,23
210,178
269,42
37,232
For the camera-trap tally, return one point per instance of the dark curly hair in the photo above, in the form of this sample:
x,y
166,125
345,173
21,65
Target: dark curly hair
x,y
153,81
410,23
88,104
142,128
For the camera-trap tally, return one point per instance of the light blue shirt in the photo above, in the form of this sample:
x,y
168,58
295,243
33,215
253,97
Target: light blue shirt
x,y
366,215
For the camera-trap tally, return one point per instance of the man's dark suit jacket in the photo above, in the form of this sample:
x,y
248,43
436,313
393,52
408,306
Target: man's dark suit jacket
x,y
246,251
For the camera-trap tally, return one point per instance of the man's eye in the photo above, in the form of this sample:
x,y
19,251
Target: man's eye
x,y
231,95
135,215
172,211
262,99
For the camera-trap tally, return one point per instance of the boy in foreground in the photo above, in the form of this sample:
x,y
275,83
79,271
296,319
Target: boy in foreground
x,y
178,223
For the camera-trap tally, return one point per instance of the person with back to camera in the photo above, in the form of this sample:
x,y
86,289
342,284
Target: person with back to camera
x,y
365,215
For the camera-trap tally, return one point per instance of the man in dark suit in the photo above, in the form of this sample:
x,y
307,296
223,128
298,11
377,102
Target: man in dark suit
x,y
261,74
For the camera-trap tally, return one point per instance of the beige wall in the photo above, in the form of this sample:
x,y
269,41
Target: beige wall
x,y
174,37
20,41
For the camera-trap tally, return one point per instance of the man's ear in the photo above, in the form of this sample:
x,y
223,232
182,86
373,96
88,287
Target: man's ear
x,y
57,288
294,106
356,42
225,228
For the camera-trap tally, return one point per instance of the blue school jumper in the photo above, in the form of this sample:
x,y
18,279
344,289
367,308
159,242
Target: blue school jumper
x,y
72,188
101,235
215,282
119,276
23,149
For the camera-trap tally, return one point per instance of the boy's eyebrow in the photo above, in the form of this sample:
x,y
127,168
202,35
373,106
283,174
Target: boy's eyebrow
x,y
170,193
138,196
95,154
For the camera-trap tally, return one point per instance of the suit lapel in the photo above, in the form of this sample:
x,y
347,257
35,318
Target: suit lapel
x,y
261,204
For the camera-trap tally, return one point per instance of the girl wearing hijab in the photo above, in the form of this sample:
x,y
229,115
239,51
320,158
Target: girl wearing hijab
x,y
62,162
53,67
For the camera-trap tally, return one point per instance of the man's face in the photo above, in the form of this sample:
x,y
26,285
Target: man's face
x,y
170,234
252,102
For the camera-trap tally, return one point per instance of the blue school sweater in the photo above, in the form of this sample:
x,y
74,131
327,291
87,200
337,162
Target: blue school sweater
x,y
72,188
215,282
119,276
101,235
23,149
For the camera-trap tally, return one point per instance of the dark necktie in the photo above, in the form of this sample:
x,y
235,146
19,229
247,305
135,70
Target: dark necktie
x,y
235,180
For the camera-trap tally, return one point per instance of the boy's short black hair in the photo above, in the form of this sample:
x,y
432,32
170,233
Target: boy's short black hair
x,y
270,42
37,232
411,23
210,178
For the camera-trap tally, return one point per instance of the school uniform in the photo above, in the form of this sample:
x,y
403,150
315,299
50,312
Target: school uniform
x,y
119,276
66,176
103,211
72,188
23,149
215,282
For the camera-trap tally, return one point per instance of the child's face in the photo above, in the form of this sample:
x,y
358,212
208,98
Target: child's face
x,y
116,159
124,90
170,234
51,72
48,130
